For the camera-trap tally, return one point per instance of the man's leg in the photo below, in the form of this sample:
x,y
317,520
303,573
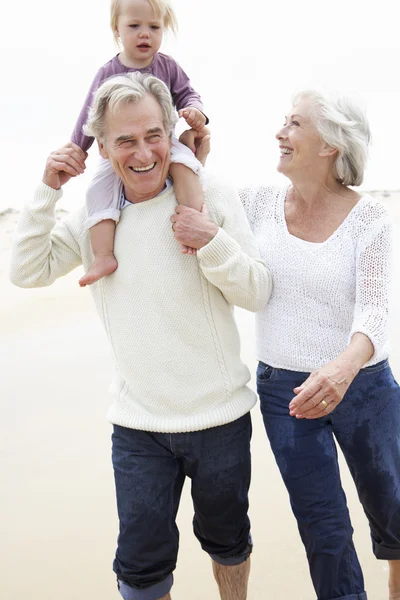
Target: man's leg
x,y
148,480
232,581
394,580
218,462
367,426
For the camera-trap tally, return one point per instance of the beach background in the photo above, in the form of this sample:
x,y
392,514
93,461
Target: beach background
x,y
58,522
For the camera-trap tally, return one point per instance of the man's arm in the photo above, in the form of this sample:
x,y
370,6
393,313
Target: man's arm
x,y
44,250
228,255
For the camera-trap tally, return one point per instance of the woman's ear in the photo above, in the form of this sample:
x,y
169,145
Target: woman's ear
x,y
328,150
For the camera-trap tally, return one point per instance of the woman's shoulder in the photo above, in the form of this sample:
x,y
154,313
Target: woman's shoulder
x,y
371,222
370,210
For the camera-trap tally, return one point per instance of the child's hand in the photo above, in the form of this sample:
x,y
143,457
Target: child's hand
x,y
193,117
198,142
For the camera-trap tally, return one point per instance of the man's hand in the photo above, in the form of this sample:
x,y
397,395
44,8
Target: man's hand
x,y
193,117
62,164
193,228
198,141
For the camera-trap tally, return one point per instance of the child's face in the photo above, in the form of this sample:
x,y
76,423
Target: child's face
x,y
139,31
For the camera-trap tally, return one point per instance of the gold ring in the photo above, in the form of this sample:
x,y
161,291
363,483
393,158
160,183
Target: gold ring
x,y
324,403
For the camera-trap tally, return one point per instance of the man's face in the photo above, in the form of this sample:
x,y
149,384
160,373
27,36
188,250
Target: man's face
x,y
138,148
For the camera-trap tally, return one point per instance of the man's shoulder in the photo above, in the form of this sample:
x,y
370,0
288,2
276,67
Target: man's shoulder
x,y
218,189
221,196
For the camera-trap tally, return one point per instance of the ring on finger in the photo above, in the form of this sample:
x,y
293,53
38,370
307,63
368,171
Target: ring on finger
x,y
324,403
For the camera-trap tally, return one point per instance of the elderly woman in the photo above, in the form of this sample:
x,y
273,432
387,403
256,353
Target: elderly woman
x,y
323,341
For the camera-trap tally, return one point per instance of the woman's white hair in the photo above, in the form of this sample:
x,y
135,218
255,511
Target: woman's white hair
x,y
127,89
342,123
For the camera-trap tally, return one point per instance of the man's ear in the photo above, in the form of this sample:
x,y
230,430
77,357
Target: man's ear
x,y
102,149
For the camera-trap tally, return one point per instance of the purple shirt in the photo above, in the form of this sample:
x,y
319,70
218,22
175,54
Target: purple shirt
x,y
164,67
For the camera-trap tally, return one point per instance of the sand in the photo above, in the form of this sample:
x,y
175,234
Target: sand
x,y
58,518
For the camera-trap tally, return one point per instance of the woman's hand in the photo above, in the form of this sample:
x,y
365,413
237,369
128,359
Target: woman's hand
x,y
62,164
198,142
324,389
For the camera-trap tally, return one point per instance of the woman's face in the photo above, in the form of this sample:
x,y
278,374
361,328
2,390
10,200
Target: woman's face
x,y
299,142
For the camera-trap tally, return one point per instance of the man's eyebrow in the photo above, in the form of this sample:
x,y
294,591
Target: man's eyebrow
x,y
154,130
124,138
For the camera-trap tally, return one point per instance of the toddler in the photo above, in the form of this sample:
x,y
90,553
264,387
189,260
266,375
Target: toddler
x,y
138,25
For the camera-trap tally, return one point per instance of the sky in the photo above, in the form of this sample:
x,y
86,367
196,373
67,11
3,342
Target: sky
x,y
246,59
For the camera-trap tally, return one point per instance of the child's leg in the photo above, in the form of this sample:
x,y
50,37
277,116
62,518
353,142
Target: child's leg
x,y
102,242
102,200
185,170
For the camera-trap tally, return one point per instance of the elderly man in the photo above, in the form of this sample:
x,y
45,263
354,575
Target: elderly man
x,y
181,404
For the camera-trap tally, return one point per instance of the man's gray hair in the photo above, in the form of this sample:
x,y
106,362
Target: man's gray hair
x,y
126,89
342,123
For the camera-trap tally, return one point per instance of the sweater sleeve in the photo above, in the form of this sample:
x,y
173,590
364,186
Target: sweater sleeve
x,y
231,261
43,249
373,276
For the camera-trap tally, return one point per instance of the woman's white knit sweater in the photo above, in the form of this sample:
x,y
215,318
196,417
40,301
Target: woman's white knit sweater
x,y
168,316
325,292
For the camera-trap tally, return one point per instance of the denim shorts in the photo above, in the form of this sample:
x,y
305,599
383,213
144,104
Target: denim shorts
x,y
150,469
366,425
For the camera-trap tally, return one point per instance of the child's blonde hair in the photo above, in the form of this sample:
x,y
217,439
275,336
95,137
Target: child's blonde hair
x,y
162,10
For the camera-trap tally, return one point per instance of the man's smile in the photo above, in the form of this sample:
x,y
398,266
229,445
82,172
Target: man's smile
x,y
145,169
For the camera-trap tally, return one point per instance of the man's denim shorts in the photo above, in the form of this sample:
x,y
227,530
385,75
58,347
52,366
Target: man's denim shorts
x,y
150,469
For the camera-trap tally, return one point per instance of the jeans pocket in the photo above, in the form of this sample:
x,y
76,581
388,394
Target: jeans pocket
x,y
265,372
380,366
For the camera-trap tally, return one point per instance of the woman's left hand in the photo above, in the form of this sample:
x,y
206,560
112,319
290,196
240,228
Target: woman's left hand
x,y
323,390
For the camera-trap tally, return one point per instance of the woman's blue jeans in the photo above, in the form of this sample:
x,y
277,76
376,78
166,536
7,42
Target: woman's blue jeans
x,y
366,425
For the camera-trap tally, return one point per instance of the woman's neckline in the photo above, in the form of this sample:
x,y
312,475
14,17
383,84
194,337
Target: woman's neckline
x,y
314,245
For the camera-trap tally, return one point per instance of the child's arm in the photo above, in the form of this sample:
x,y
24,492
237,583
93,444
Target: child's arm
x,y
78,137
186,172
187,186
183,95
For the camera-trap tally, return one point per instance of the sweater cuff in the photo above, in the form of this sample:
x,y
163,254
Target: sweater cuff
x,y
221,248
45,197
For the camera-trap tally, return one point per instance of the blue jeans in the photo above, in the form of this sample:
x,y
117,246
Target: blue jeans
x,y
366,425
150,469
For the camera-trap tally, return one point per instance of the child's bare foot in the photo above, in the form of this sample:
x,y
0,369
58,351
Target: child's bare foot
x,y
102,266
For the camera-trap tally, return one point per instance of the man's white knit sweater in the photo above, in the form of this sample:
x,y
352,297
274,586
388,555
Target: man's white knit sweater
x,y
168,316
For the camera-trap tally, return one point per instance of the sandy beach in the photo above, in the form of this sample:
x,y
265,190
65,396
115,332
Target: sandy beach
x,y
58,517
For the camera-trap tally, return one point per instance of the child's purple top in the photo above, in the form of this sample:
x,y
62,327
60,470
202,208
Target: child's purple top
x,y
164,67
